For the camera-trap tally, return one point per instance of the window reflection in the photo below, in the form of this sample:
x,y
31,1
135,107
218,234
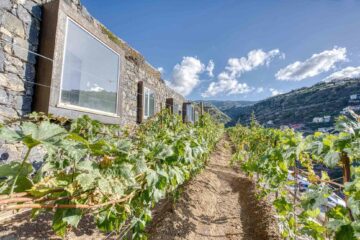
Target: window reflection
x,y
149,103
90,72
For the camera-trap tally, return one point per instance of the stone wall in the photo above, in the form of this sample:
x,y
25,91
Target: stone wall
x,y
20,23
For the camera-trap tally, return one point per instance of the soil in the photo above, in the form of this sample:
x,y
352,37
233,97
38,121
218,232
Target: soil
x,y
23,228
218,203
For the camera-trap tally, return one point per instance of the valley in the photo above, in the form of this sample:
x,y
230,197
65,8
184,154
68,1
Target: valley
x,y
306,109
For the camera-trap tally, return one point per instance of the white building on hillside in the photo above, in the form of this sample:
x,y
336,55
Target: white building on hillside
x,y
354,96
324,119
318,120
327,118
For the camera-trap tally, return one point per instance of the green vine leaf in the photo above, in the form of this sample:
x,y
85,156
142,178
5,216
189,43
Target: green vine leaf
x,y
58,224
86,181
346,232
72,217
115,174
331,159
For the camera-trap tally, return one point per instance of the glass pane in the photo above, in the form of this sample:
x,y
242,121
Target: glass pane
x,y
179,110
91,72
175,109
152,104
189,113
146,103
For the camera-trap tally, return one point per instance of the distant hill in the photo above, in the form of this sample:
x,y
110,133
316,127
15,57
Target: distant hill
x,y
224,105
216,114
299,107
228,107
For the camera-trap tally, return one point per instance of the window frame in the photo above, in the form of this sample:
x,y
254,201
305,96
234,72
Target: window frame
x,y
61,104
148,91
49,70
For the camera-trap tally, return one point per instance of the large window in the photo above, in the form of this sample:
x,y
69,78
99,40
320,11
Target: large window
x,y
90,72
177,109
189,113
149,103
196,116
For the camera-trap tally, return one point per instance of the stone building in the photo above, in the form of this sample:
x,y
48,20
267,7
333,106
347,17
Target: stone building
x,y
43,68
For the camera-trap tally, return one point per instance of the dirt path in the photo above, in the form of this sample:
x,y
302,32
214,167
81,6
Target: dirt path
x,y
219,203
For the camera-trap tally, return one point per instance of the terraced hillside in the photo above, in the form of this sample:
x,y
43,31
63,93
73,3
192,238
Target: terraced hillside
x,y
302,105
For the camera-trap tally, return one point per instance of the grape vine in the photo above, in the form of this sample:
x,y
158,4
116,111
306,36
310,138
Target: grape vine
x,y
114,174
280,159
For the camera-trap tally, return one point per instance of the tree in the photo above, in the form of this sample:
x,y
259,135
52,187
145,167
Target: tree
x,y
253,121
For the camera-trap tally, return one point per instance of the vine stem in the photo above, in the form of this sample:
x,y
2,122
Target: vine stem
x,y
16,200
26,194
22,194
324,181
346,177
67,206
21,167
295,196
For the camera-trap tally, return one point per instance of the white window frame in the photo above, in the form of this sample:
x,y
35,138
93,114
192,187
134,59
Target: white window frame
x,y
79,108
148,91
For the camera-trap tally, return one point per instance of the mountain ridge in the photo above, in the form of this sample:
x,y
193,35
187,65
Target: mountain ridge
x,y
299,107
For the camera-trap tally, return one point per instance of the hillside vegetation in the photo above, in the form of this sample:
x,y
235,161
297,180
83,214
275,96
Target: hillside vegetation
x,y
302,105
216,114
307,201
225,105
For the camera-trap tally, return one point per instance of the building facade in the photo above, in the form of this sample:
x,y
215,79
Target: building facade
x,y
56,58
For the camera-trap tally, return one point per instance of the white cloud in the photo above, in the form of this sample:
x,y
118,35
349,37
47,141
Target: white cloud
x,y
255,58
185,75
275,92
348,72
227,81
260,90
96,88
161,70
210,68
316,64
226,84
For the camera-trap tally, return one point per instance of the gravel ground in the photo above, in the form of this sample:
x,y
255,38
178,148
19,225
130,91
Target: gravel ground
x,y
23,228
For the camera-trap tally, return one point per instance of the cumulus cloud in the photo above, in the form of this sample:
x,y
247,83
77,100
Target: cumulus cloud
x,y
254,59
348,72
227,81
96,88
186,75
161,70
275,92
226,84
210,68
316,64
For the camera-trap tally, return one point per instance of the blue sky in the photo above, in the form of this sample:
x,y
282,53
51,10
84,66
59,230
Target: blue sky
x,y
259,48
